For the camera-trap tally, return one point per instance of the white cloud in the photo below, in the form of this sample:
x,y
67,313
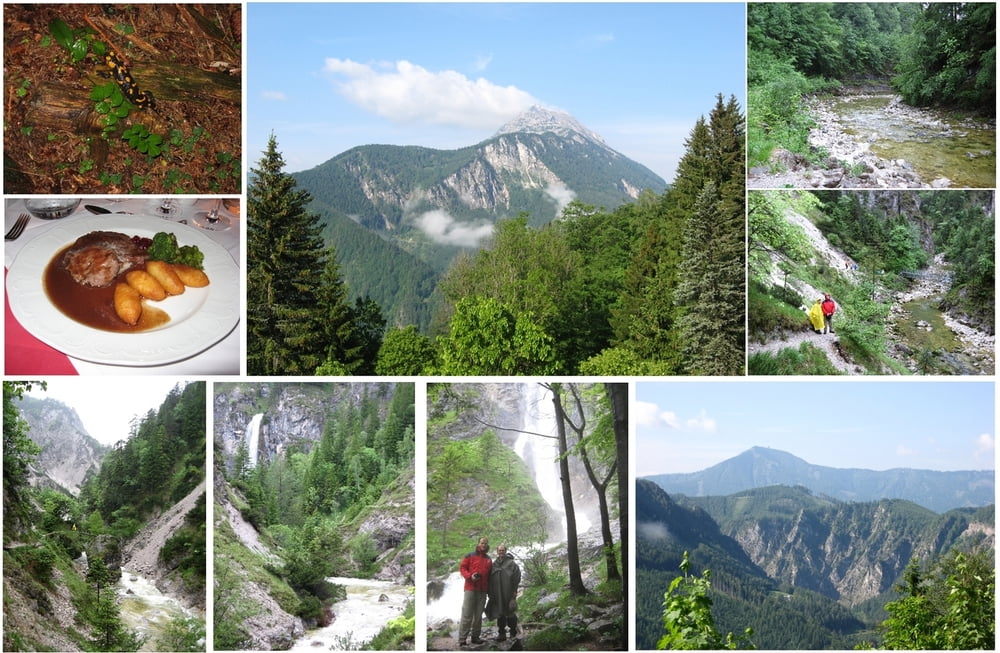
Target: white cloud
x,y
443,228
274,95
985,445
653,530
483,62
407,93
649,414
903,450
561,194
701,423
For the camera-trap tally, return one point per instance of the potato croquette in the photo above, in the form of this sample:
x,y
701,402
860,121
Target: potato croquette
x,y
128,303
192,277
164,273
146,284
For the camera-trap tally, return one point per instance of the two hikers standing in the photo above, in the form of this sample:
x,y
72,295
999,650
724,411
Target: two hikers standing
x,y
496,580
821,314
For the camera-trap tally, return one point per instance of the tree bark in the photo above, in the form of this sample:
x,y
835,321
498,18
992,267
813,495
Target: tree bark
x,y
601,487
618,393
576,586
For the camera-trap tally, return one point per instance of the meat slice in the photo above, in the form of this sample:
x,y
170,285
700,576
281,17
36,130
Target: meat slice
x,y
96,259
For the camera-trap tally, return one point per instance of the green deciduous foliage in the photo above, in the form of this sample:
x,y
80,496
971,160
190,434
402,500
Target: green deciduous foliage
x,y
18,453
687,616
488,338
948,605
404,352
950,57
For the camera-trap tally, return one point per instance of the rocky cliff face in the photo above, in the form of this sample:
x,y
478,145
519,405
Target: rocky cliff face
x,y
850,552
536,163
68,451
294,413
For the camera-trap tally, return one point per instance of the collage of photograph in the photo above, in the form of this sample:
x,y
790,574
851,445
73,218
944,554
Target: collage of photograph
x,y
490,326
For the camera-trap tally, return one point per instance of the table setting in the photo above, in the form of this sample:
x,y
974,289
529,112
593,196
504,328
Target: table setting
x,y
50,243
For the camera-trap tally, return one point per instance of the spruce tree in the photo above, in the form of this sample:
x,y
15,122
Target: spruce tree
x,y
285,263
652,314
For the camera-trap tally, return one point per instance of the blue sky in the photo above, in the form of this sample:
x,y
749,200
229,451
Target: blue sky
x,y
686,426
326,77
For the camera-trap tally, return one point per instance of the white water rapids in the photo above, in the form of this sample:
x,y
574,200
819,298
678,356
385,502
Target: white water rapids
x,y
146,609
359,617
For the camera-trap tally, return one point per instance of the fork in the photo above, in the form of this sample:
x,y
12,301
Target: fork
x,y
18,228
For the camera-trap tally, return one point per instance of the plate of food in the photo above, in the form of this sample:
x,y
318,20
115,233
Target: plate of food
x,y
106,290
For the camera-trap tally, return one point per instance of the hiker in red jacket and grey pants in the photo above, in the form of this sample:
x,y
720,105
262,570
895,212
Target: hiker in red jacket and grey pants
x,y
829,308
475,570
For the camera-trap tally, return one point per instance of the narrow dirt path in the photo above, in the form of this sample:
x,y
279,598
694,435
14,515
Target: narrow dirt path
x,y
827,343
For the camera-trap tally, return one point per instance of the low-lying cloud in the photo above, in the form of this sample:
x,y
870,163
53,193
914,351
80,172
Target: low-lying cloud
x,y
561,194
652,530
442,228
407,93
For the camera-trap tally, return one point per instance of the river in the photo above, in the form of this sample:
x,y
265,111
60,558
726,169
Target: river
x,y
936,343
937,144
146,609
369,605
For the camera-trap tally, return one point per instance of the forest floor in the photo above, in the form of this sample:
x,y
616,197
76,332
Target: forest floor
x,y
188,56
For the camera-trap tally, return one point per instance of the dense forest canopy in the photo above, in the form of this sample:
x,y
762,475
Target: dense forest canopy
x,y
634,290
161,461
308,500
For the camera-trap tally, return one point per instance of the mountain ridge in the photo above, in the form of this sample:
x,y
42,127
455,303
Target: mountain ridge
x,y
68,451
758,467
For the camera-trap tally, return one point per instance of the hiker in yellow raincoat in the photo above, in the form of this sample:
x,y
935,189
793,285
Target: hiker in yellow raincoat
x,y
816,316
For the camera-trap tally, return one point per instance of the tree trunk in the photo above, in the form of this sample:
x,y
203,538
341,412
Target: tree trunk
x,y
601,487
618,393
576,586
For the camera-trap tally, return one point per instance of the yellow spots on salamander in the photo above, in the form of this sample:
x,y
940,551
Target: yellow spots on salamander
x,y
141,99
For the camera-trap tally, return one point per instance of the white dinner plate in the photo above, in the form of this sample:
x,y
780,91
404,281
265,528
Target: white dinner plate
x,y
199,318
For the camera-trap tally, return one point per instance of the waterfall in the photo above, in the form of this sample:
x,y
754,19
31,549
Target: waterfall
x,y
541,454
253,438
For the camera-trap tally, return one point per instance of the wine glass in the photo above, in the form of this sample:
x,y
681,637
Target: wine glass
x,y
167,208
212,219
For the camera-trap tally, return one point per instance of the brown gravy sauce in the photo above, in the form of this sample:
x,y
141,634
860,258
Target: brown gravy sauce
x,y
94,307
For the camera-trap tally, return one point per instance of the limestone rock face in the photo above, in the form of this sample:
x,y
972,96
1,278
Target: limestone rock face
x,y
68,451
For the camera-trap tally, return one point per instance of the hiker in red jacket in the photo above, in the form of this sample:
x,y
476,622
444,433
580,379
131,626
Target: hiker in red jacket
x,y
829,308
475,569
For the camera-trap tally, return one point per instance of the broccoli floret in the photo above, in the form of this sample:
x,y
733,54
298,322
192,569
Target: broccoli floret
x,y
190,255
164,247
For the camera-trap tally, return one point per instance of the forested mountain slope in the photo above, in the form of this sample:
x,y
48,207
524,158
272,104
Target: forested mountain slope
x,y
760,466
63,555
803,570
910,271
313,480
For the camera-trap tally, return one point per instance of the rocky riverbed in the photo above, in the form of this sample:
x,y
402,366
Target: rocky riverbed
x,y
851,161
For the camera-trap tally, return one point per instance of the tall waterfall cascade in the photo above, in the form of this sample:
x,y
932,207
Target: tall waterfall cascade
x,y
253,438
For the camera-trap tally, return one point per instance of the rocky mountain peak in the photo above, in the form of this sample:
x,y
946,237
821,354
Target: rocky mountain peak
x,y
540,120
68,451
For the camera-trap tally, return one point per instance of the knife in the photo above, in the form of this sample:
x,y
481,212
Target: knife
x,y
96,209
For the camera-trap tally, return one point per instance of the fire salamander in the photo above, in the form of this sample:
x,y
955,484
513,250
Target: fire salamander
x,y
121,74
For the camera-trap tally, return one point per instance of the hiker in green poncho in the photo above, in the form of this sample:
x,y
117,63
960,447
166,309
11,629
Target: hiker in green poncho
x,y
505,577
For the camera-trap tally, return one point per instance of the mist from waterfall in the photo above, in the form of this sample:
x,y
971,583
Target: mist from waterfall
x,y
253,438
